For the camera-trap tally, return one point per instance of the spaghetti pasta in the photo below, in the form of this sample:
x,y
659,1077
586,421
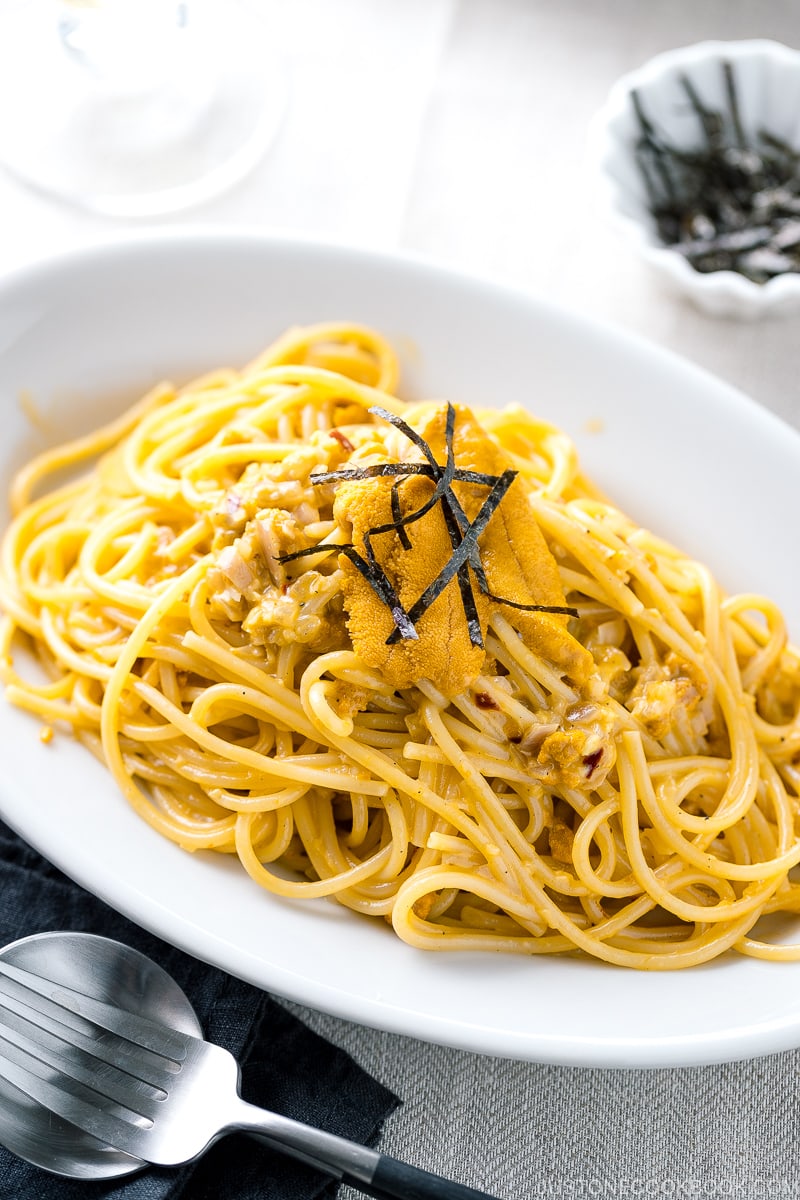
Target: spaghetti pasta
x,y
408,657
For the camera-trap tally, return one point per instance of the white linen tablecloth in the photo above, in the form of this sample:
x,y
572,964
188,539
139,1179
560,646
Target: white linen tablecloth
x,y
457,129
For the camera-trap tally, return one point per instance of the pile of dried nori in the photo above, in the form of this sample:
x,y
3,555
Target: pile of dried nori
x,y
733,202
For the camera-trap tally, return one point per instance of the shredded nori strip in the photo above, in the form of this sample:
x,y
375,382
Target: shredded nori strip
x,y
463,533
375,470
380,583
564,610
471,616
320,548
397,515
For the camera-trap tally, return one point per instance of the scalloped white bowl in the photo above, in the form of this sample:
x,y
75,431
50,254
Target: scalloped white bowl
x,y
767,78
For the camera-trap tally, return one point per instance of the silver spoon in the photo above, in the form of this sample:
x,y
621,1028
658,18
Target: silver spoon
x,y
150,1086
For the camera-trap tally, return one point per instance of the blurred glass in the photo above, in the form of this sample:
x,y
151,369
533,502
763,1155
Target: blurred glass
x,y
135,108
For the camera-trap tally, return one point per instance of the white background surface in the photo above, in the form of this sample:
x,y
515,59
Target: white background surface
x,y
456,128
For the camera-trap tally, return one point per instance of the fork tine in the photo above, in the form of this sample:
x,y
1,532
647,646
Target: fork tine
x,y
98,1045
21,1072
51,1033
169,1043
75,1058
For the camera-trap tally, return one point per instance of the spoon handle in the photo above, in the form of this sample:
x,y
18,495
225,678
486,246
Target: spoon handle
x,y
374,1174
395,1180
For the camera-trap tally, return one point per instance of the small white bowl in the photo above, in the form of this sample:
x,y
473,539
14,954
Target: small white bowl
x,y
767,79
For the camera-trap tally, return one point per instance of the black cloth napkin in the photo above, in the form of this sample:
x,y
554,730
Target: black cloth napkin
x,y
285,1066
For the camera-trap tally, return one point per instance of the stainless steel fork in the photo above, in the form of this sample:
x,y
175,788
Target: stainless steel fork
x,y
164,1096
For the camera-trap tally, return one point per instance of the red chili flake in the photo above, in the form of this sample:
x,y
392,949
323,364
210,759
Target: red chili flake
x,y
591,761
484,700
343,441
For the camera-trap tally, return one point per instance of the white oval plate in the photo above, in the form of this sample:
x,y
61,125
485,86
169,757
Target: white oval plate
x,y
680,451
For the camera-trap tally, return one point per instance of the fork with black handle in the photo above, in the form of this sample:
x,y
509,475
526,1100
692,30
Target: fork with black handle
x,y
164,1096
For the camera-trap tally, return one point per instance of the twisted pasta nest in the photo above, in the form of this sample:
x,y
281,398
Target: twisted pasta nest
x,y
578,743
